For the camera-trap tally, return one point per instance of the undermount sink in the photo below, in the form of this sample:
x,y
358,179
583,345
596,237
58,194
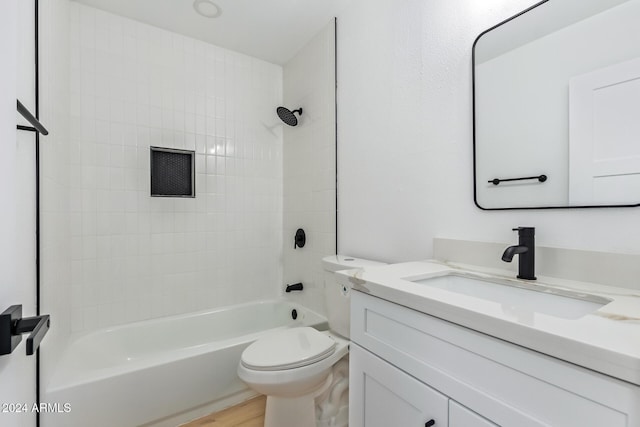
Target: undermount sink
x,y
534,298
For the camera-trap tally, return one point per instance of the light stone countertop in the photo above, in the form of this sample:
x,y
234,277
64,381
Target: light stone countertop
x,y
606,340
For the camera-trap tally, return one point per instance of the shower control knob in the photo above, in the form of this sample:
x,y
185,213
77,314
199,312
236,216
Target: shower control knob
x,y
300,239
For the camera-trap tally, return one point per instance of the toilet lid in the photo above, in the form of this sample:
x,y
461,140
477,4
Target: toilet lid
x,y
288,349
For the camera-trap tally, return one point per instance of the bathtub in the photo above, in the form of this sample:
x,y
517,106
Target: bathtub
x,y
162,372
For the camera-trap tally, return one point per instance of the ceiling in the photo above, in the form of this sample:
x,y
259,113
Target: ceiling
x,y
273,30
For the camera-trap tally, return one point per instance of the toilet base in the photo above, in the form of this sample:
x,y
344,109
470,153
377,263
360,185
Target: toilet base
x,y
327,405
313,395
294,411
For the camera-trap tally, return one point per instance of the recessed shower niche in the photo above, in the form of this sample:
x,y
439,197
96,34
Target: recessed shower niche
x,y
172,172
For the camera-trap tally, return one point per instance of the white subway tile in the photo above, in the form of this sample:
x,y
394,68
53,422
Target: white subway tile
x,y
135,257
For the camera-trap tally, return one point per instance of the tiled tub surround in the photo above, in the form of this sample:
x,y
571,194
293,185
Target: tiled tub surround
x,y
175,369
55,148
309,186
135,257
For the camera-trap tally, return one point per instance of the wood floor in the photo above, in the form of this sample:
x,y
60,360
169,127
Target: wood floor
x,y
247,414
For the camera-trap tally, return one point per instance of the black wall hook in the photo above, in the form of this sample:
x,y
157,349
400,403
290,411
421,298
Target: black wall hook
x,y
300,239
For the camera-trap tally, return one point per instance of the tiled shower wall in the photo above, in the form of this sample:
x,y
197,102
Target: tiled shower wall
x,y
55,232
309,166
135,257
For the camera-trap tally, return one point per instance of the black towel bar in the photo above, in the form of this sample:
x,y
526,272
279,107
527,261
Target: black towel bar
x,y
497,181
13,325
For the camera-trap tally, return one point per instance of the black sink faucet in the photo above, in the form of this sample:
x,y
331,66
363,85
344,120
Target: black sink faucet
x,y
527,251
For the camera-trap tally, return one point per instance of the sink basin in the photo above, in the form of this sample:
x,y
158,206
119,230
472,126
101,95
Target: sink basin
x,y
533,298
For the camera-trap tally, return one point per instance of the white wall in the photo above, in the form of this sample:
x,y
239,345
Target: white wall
x,y
17,260
405,138
309,166
132,256
25,165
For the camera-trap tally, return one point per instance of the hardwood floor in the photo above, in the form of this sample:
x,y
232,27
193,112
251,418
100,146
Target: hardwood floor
x,y
246,414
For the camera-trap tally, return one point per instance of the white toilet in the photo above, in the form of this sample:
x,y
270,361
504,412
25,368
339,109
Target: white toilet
x,y
301,368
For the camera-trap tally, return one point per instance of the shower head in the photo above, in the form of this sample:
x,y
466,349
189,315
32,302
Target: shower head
x,y
288,116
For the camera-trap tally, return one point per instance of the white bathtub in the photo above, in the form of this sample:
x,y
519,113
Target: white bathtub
x,y
163,371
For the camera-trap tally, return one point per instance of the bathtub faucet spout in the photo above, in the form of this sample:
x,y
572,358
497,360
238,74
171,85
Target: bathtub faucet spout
x,y
294,287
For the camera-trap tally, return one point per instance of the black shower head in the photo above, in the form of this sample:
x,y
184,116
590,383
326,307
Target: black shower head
x,y
288,116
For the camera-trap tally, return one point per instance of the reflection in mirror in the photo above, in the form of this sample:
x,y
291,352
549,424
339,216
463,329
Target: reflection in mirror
x,y
557,94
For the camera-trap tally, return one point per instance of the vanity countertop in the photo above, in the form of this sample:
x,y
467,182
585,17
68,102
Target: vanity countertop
x,y
606,340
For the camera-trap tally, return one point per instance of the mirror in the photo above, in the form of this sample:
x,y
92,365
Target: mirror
x,y
557,107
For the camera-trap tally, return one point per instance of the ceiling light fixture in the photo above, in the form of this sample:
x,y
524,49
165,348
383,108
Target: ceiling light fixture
x,y
207,8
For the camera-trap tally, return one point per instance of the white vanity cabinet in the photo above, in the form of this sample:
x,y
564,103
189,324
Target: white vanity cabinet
x,y
387,397
408,368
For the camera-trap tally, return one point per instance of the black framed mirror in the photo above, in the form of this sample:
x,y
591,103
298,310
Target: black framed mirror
x,y
556,100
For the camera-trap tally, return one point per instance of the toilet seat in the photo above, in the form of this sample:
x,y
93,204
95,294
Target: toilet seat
x,y
288,349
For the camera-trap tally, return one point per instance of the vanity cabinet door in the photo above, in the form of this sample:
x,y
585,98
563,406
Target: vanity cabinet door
x,y
459,416
382,395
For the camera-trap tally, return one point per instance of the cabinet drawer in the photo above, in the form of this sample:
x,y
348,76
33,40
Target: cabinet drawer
x,y
459,416
382,395
508,384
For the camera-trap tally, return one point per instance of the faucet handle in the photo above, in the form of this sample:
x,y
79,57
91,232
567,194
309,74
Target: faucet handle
x,y
525,230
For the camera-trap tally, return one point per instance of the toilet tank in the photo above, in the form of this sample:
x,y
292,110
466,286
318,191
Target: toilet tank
x,y
337,297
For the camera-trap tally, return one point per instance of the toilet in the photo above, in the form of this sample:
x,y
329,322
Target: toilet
x,y
304,372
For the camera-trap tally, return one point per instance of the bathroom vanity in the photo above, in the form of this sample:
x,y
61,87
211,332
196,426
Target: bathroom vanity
x,y
477,349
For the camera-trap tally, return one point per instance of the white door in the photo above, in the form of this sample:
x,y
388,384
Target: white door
x,y
604,136
382,395
17,207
